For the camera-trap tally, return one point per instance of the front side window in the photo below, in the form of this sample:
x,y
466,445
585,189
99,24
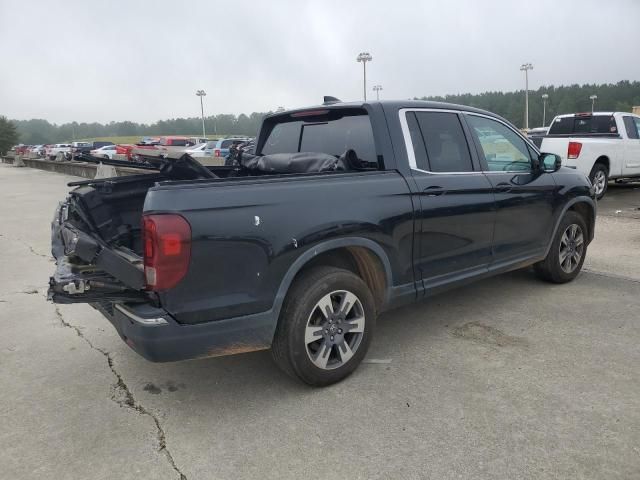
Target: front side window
x,y
637,122
503,149
439,142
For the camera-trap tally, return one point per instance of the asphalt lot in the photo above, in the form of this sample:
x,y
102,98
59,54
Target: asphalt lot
x,y
510,378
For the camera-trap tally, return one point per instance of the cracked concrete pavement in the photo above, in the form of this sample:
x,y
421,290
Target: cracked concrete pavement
x,y
508,378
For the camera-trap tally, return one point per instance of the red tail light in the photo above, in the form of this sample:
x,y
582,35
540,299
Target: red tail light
x,y
574,149
216,153
166,242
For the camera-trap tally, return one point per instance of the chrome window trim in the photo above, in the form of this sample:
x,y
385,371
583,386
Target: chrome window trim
x,y
404,125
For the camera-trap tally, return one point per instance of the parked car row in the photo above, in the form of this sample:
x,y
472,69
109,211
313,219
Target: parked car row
x,y
148,146
176,146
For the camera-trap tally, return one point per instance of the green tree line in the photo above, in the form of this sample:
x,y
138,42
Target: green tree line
x,y
38,131
621,96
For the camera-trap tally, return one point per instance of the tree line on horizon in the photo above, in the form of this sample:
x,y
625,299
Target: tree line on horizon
x,y
621,96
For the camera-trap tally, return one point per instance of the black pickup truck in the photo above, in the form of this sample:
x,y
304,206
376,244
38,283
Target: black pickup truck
x,y
343,211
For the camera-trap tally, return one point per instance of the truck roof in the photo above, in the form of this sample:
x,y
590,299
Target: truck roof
x,y
586,114
388,104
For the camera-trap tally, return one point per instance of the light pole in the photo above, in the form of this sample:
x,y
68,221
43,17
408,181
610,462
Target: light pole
x,y
526,67
544,109
593,99
364,57
202,93
377,88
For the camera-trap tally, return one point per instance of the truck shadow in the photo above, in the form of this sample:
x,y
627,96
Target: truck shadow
x,y
247,380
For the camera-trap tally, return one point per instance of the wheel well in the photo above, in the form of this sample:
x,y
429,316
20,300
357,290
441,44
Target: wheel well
x,y
604,161
359,260
585,211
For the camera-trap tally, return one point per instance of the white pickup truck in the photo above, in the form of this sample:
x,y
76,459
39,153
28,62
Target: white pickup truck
x,y
52,151
602,145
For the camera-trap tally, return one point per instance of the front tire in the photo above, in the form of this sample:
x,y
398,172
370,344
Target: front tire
x,y
325,326
599,177
568,251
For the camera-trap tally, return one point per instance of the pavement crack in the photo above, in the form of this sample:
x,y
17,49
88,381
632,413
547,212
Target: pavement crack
x,y
124,397
29,247
32,250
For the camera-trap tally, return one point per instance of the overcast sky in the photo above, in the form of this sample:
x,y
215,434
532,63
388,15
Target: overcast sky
x,y
143,60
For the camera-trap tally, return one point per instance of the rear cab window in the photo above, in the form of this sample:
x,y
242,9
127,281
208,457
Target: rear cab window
x,y
584,124
229,143
329,131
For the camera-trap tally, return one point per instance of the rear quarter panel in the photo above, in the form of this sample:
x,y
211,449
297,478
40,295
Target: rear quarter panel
x,y
592,150
247,234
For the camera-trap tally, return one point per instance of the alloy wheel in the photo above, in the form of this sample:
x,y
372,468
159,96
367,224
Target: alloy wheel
x,y
571,248
334,329
600,181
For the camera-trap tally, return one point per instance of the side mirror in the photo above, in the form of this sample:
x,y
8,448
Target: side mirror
x,y
549,162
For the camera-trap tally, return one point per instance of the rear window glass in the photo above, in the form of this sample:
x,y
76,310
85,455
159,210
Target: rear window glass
x,y
178,142
332,136
583,124
439,142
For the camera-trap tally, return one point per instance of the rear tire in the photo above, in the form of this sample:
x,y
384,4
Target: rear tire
x,y
325,327
599,177
568,251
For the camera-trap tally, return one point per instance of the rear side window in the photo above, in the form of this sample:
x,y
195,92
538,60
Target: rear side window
x,y
439,142
333,135
632,126
582,124
180,142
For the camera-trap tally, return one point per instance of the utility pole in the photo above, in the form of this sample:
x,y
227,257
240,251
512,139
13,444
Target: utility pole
x,y
202,93
364,57
544,109
526,67
377,88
